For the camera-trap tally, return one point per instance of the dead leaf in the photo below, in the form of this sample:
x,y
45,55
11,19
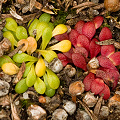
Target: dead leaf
x,y
84,4
106,42
117,45
14,14
32,3
4,101
26,18
90,113
20,73
14,112
98,105
39,6
21,1
15,50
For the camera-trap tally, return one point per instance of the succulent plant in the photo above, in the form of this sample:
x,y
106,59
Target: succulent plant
x,y
84,48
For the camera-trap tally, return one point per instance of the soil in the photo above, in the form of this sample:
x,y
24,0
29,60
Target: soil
x,y
33,106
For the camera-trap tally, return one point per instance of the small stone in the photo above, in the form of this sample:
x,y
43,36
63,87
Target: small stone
x,y
70,107
56,65
4,88
36,112
59,114
17,102
90,99
104,112
93,63
70,71
82,115
25,95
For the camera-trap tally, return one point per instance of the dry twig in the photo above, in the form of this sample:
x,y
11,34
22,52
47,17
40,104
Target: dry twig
x,y
98,105
90,113
20,73
15,50
84,4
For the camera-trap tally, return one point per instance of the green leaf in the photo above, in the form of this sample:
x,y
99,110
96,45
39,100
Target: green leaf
x,y
48,55
27,69
33,26
11,24
40,86
10,36
21,86
52,79
5,59
45,17
40,27
23,57
21,33
46,37
31,77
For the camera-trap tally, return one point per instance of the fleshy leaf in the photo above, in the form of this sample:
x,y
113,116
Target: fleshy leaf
x,y
31,77
40,67
46,37
40,86
23,57
63,46
52,79
48,55
59,29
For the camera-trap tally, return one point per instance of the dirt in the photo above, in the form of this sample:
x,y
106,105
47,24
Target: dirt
x,y
15,106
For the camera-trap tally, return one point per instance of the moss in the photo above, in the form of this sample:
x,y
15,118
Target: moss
x,y
61,16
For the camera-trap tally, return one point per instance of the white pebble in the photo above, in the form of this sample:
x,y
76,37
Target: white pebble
x,y
59,114
70,107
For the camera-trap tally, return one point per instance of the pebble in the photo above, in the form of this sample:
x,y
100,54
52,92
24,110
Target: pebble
x,y
70,107
59,114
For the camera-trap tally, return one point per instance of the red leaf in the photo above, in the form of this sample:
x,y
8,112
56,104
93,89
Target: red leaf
x,y
106,92
83,41
105,62
97,86
115,58
73,35
88,80
107,50
79,25
63,36
94,48
105,34
98,20
79,61
81,50
89,29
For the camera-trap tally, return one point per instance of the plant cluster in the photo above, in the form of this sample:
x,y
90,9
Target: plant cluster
x,y
36,72
99,61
